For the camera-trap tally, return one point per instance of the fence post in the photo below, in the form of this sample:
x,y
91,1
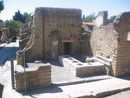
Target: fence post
x,y
12,74
25,84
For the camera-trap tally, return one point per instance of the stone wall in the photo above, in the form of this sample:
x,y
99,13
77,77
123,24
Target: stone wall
x,y
111,40
122,26
62,26
36,76
85,44
104,39
52,28
25,33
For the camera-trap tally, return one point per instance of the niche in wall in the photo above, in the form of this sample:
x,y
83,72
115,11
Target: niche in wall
x,y
128,36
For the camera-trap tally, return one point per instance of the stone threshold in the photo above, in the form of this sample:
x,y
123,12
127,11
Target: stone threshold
x,y
82,80
106,93
97,89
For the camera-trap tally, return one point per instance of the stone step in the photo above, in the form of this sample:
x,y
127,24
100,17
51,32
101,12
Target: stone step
x,y
81,80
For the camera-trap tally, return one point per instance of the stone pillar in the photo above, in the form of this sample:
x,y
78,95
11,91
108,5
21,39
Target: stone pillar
x,y
101,19
5,33
19,57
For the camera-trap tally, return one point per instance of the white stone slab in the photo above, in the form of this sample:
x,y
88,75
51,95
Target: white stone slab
x,y
78,68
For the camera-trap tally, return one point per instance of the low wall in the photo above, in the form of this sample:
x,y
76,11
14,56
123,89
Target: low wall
x,y
36,76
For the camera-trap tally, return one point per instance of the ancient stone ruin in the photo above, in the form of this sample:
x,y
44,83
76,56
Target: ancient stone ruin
x,y
25,33
112,41
5,35
55,31
60,33
101,18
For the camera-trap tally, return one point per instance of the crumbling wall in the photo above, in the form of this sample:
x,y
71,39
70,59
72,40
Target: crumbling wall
x,y
101,18
104,39
122,26
87,28
111,40
51,28
34,48
25,34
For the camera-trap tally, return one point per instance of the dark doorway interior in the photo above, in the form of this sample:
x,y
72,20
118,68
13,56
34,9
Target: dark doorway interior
x,y
1,90
67,48
14,39
0,34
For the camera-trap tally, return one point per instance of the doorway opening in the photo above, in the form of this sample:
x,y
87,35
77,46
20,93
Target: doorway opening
x,y
67,48
0,34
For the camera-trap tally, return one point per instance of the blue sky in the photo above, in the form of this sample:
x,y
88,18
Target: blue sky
x,y
113,7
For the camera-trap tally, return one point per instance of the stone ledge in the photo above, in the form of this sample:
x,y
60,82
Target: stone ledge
x,y
78,81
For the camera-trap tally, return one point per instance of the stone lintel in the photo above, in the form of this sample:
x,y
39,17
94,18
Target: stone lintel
x,y
67,41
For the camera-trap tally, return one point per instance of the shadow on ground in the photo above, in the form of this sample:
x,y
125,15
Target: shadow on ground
x,y
7,53
53,62
126,77
53,89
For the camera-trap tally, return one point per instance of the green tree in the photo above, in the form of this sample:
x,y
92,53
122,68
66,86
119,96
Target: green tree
x,y
1,6
90,17
113,17
18,17
21,17
26,16
14,27
1,20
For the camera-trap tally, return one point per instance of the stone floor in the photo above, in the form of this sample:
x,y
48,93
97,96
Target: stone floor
x,y
61,74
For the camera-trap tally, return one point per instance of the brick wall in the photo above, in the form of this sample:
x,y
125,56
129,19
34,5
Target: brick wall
x,y
122,25
35,79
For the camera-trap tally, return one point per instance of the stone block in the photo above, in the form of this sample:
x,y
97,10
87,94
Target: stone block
x,y
80,69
